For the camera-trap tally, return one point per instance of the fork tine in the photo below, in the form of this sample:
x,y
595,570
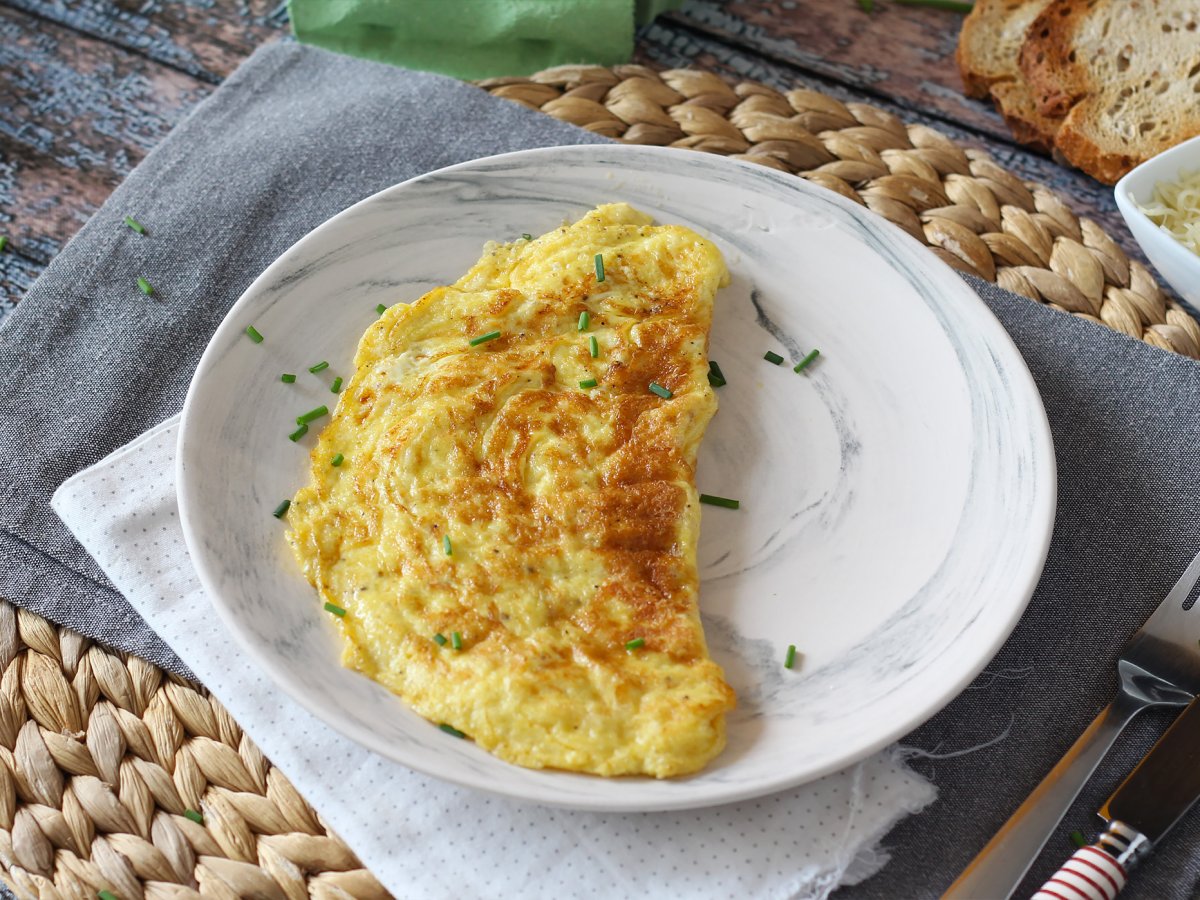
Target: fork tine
x,y
1186,582
1170,617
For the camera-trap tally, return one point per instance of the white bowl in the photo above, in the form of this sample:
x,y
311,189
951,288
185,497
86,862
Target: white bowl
x,y
1178,265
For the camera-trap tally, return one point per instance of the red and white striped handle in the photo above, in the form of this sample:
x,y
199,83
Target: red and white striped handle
x,y
1098,871
1091,874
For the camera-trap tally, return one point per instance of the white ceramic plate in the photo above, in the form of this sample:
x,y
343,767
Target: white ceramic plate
x,y
897,500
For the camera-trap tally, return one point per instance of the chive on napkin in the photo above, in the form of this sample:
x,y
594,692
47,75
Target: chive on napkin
x,y
476,38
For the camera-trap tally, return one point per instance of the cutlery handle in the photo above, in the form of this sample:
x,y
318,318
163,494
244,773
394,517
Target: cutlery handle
x,y
1098,871
1091,874
1001,865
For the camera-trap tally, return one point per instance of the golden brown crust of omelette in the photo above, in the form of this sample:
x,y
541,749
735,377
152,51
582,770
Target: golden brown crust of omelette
x,y
572,512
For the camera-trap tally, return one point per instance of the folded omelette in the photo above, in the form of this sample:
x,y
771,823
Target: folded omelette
x,y
512,527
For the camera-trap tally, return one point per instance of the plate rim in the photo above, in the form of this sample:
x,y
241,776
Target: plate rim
x,y
1045,503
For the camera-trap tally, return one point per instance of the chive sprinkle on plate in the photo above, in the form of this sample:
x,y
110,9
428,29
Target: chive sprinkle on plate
x,y
439,639
588,383
450,729
380,309
599,267
336,387
456,640
335,609
135,224
319,367
713,500
106,895
447,545
194,816
147,288
287,378
584,321
789,661
772,357
527,236
656,388
806,362
715,376
298,433
484,338
1078,839
593,346
635,644
337,460
312,414
281,509
3,242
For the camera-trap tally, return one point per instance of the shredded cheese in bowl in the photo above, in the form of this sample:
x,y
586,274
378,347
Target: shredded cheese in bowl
x,y
1175,208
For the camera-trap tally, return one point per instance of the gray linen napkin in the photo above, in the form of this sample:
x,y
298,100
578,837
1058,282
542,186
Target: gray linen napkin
x,y
296,135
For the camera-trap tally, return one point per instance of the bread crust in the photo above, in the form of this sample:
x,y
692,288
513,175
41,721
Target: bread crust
x,y
1047,57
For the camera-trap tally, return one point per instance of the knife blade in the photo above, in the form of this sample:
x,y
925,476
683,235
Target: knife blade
x,y
1139,813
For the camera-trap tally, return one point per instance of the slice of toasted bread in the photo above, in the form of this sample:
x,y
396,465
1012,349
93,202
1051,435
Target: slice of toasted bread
x,y
1018,105
990,40
1124,73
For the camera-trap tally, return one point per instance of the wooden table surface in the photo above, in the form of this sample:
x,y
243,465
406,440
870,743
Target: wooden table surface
x,y
90,86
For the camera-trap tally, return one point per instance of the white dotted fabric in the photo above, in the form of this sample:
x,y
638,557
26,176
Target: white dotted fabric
x,y
424,838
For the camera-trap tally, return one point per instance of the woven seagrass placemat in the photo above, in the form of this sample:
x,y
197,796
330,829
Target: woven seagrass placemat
x,y
116,776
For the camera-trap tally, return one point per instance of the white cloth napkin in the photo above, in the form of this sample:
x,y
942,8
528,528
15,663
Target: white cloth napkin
x,y
424,838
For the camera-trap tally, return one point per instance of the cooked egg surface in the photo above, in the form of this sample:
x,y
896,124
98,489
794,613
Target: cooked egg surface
x,y
488,498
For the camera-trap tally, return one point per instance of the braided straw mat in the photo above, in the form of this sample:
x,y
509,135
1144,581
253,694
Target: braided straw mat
x,y
969,210
107,762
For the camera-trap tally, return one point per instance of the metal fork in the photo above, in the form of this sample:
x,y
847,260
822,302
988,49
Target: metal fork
x,y
1160,666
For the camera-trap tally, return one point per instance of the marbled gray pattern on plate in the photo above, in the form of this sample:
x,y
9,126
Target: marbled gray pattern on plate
x,y
897,498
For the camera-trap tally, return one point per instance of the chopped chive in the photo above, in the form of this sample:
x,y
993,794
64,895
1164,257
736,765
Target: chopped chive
x,y
599,266
336,387
804,363
281,509
287,378
194,816
484,338
772,357
106,895
635,644
790,661
319,367
381,309
440,640
3,242
147,288
715,376
1078,839
335,609
588,383
298,433
527,236
712,500
656,388
593,346
446,545
312,414
252,333
135,224
337,460
450,729
456,640
584,321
